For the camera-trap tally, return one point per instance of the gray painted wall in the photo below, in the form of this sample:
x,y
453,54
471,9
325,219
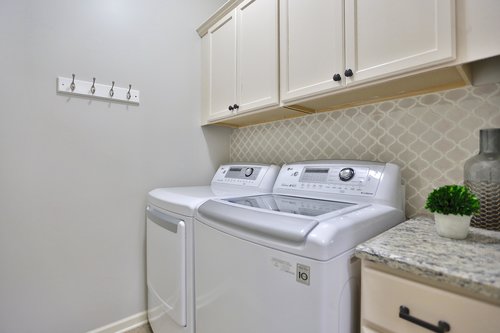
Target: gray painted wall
x,y
74,172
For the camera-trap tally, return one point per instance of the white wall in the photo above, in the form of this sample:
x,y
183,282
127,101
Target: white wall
x,y
74,172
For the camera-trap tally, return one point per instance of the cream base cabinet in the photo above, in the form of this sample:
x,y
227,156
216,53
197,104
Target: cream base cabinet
x,y
328,44
241,56
385,296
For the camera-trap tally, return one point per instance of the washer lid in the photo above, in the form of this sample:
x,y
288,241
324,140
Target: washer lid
x,y
271,216
226,215
290,204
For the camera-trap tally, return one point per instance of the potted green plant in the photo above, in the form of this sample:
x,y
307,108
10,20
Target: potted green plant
x,y
453,207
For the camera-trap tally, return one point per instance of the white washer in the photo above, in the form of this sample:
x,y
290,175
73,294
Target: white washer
x,y
283,262
169,226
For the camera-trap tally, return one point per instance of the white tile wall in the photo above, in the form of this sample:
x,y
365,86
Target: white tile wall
x,y
429,136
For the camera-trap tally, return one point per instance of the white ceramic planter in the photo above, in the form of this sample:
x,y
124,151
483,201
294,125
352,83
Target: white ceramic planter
x,y
452,226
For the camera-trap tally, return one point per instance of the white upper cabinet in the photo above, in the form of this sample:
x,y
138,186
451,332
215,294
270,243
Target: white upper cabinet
x,y
243,60
326,44
312,46
258,54
222,66
391,36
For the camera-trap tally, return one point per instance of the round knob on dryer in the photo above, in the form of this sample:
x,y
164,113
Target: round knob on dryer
x,y
337,77
236,106
346,174
348,72
230,108
248,172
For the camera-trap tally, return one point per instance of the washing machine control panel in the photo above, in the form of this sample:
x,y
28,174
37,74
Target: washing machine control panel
x,y
351,179
253,175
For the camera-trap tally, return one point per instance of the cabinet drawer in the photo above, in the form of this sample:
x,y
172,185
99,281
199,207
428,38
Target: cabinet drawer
x,y
383,294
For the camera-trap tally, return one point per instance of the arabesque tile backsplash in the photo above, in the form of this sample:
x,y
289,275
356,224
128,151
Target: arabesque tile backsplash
x,y
429,136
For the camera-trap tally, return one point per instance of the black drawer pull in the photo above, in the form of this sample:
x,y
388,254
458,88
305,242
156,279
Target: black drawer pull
x,y
442,327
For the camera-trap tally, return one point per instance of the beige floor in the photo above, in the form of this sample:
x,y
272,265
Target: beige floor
x,y
142,329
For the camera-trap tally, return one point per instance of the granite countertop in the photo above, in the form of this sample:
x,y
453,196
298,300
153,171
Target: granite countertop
x,y
415,247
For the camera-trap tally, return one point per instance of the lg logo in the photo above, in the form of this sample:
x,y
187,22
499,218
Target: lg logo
x,y
303,274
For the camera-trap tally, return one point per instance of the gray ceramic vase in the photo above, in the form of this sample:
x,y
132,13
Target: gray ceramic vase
x,y
482,177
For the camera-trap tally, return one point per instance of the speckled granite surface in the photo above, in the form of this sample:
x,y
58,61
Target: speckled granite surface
x,y
415,247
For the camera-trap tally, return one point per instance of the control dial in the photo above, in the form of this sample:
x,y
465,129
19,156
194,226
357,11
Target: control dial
x,y
346,174
248,172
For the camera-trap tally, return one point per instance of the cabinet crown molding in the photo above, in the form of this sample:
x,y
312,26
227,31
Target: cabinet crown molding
x,y
220,13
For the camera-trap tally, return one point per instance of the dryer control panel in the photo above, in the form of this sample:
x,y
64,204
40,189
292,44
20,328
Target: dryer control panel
x,y
338,178
260,176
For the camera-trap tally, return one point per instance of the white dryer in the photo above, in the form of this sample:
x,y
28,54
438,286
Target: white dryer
x,y
169,228
283,262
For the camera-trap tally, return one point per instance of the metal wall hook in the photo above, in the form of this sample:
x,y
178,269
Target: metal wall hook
x,y
128,92
111,91
72,86
92,89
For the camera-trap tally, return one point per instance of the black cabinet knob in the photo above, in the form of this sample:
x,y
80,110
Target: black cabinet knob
x,y
236,106
230,107
337,77
348,72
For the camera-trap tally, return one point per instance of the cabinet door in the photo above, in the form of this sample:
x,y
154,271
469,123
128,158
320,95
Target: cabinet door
x,y
311,46
383,294
393,36
222,67
257,55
